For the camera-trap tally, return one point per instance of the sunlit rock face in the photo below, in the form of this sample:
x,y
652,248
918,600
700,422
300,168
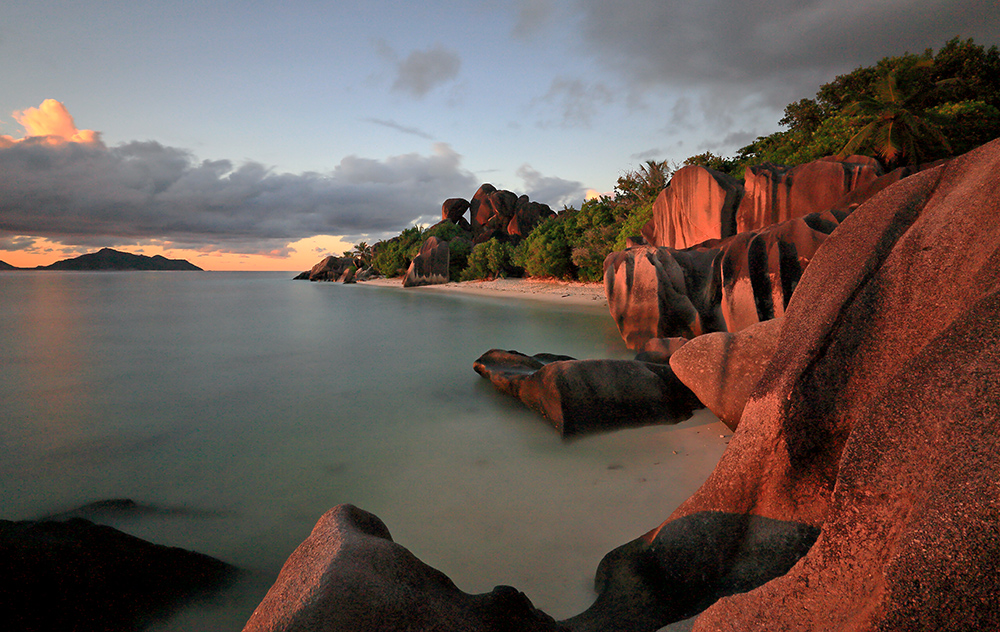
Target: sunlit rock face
x,y
758,270
502,214
866,457
722,369
581,396
661,293
774,194
349,576
430,266
699,205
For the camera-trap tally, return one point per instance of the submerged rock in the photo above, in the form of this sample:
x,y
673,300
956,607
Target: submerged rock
x,y
580,396
76,575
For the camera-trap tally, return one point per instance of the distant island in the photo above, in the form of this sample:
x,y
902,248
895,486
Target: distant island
x,y
113,260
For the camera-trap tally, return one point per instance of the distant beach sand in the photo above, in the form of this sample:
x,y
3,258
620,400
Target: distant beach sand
x,y
548,290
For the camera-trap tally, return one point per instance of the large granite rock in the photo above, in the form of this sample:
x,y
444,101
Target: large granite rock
x,y
349,576
700,204
859,492
491,209
759,270
775,194
722,369
430,266
453,209
661,293
527,215
580,396
76,575
329,269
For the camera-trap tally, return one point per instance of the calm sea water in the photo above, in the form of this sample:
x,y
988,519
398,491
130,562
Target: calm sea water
x,y
244,405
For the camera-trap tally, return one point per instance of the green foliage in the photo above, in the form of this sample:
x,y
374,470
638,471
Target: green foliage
x,y
489,260
392,257
633,224
635,187
460,248
901,109
711,161
546,252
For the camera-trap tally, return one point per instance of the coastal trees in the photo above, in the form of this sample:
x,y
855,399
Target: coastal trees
x,y
932,105
898,129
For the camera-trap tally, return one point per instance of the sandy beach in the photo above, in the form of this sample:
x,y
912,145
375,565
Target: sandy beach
x,y
549,290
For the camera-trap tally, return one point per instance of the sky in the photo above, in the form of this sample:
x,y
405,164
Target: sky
x,y
263,136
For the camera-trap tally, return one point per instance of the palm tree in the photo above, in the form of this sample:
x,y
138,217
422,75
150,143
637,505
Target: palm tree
x,y
363,252
898,127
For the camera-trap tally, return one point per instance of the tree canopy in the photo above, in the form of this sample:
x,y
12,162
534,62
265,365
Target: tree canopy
x,y
903,109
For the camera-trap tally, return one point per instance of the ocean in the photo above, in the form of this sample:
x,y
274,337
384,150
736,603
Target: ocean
x,y
237,408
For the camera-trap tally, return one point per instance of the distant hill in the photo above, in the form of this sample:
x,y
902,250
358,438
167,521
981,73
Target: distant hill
x,y
108,259
6,266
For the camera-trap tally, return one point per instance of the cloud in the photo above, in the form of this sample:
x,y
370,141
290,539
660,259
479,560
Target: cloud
x,y
50,123
413,131
556,192
576,102
85,193
784,49
424,70
534,17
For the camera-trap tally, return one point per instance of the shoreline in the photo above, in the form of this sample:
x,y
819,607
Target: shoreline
x,y
577,293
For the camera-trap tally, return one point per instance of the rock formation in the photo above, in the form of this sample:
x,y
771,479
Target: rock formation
x,y
722,369
430,266
758,271
349,576
659,350
661,293
859,491
329,269
453,209
731,283
774,194
76,575
580,396
700,204
502,214
527,215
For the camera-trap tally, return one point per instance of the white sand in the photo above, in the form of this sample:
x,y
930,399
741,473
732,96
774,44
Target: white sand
x,y
549,290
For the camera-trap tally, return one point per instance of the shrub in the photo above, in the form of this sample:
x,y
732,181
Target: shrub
x,y
489,260
546,252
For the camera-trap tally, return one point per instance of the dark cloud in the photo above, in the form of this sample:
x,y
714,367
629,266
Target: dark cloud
x,y
80,194
413,131
550,190
424,70
780,48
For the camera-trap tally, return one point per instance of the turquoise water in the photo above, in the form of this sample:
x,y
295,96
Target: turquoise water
x,y
244,405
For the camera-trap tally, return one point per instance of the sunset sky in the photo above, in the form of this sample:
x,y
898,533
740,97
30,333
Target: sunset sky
x,y
262,136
